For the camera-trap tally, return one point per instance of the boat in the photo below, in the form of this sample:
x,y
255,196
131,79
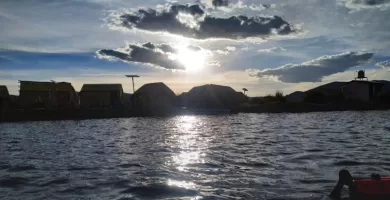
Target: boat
x,y
374,188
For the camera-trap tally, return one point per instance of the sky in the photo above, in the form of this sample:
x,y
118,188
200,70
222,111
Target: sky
x,y
262,45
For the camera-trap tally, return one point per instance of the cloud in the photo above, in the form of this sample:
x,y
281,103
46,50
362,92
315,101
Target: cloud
x,y
314,70
157,55
230,48
367,4
228,6
271,50
220,3
384,64
193,22
222,52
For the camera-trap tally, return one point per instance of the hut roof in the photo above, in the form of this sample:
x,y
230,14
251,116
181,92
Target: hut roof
x,y
214,96
101,87
364,82
64,86
155,89
35,86
4,91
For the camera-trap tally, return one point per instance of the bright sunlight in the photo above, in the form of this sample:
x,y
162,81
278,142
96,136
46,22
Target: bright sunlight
x,y
192,60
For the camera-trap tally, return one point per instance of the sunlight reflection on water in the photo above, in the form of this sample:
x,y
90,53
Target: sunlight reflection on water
x,y
188,142
244,156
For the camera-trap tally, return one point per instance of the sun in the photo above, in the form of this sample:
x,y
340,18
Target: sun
x,y
193,60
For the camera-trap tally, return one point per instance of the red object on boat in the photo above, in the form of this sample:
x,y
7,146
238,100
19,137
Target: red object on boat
x,y
371,188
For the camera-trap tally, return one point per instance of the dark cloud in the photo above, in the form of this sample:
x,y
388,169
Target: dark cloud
x,y
315,70
148,53
220,3
194,48
192,21
158,55
364,4
384,64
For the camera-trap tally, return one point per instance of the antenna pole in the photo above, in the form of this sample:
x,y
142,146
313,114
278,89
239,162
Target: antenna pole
x,y
132,78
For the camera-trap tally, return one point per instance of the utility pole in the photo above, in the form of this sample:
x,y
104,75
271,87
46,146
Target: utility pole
x,y
132,79
245,90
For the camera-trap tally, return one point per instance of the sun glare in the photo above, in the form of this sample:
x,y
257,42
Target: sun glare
x,y
192,60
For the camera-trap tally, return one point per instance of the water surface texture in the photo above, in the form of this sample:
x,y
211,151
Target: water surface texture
x,y
245,156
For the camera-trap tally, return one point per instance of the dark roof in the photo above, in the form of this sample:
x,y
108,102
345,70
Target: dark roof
x,y
364,82
154,90
3,91
214,96
101,87
329,86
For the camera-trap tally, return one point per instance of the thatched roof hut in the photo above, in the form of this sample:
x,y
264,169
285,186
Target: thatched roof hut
x,y
214,96
4,98
47,94
101,95
4,94
153,99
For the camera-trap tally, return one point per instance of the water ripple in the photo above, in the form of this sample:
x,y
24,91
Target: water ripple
x,y
244,156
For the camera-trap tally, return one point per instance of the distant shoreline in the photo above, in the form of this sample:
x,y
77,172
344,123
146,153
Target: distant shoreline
x,y
282,107
20,115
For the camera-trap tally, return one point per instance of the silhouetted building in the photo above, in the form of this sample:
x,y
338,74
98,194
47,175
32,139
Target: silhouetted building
x,y
4,98
35,94
296,97
361,90
4,92
153,99
214,96
66,96
127,99
101,95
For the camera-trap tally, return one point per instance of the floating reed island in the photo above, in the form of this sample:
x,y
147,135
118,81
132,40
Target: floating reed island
x,y
60,101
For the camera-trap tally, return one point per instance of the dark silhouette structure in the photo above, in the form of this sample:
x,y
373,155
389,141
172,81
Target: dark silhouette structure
x,y
35,94
214,97
101,96
153,99
361,75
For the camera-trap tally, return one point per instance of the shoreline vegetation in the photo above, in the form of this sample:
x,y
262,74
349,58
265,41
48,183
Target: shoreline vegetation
x,y
210,99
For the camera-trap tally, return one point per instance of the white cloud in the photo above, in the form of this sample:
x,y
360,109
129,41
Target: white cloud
x,y
222,52
230,48
384,64
271,50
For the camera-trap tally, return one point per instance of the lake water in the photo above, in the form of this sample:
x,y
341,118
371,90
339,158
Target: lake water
x,y
244,156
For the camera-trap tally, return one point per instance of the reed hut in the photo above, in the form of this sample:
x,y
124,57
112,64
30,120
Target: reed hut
x,y
4,97
4,94
153,99
101,96
214,97
34,94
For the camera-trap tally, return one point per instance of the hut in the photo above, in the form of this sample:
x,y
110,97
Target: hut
x,y
65,95
4,94
34,94
214,97
153,99
361,90
296,97
4,97
101,96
